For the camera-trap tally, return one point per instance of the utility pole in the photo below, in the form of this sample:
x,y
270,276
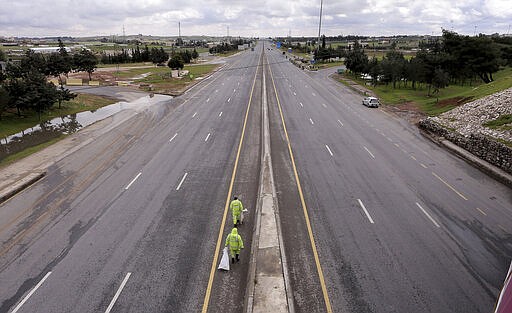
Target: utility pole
x,y
320,25
124,35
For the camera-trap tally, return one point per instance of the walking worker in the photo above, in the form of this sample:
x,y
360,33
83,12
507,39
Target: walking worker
x,y
236,207
235,242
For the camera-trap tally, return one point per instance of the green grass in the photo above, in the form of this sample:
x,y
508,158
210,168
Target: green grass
x,y
447,98
162,82
504,122
29,151
11,123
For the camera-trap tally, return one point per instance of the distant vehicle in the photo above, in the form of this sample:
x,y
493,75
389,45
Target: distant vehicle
x,y
371,102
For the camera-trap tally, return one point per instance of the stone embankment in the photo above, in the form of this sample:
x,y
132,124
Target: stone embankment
x,y
465,127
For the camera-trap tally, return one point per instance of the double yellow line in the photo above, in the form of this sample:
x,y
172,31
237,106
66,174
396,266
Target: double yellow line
x,y
226,207
303,202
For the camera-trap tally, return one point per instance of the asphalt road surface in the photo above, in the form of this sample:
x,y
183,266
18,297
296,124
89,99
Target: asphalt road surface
x,y
131,222
400,225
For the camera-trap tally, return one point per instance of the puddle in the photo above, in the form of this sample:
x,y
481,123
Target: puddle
x,y
69,124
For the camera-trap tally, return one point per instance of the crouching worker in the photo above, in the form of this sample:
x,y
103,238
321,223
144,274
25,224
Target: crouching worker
x,y
234,240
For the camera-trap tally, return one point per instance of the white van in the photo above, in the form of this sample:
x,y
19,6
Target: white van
x,y
371,102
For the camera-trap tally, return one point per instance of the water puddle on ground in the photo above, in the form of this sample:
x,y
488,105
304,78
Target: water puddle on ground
x,y
69,124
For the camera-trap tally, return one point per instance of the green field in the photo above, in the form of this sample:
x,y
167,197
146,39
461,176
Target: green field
x,y
447,99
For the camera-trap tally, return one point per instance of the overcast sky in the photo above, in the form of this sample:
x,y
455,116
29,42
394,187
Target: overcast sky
x,y
252,17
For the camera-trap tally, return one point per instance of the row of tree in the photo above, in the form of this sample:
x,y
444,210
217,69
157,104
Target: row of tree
x,y
453,59
226,47
155,55
24,85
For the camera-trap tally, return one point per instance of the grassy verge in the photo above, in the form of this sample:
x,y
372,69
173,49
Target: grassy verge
x,y
504,122
29,151
12,123
162,82
447,99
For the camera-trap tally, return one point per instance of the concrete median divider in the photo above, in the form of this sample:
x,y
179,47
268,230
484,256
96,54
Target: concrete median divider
x,y
74,82
268,288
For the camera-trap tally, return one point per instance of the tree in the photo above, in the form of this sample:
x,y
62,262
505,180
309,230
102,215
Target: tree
x,y
2,56
195,54
176,63
158,56
85,61
374,70
356,60
440,80
4,101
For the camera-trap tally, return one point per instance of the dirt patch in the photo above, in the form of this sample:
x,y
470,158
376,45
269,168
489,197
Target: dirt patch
x,y
454,102
409,111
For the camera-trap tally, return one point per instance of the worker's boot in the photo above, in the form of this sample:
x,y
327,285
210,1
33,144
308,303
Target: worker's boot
x,y
237,259
233,260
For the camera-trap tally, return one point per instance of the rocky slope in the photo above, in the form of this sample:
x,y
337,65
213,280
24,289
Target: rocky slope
x,y
469,118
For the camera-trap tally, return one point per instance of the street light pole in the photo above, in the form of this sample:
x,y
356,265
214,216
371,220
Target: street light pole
x,y
319,25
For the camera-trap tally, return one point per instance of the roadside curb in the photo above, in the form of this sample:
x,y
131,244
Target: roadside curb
x,y
20,185
472,159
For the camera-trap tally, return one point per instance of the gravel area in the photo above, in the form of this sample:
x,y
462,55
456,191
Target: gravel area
x,y
469,118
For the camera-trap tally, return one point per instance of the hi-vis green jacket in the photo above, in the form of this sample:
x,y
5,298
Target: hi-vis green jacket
x,y
234,240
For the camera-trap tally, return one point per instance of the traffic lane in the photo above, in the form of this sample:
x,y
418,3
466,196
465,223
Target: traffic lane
x,y
408,143
228,289
301,265
392,205
316,162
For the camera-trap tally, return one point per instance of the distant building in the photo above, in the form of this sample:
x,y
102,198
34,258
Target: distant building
x,y
47,50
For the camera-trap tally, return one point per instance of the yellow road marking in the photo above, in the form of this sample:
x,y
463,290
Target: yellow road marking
x,y
226,207
481,211
449,186
303,202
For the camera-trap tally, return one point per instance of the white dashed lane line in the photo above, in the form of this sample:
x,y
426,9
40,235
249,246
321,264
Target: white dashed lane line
x,y
207,136
324,105
111,305
194,114
365,211
229,99
340,122
428,215
220,114
16,309
371,154
207,100
181,182
133,180
301,104
329,150
311,121
170,140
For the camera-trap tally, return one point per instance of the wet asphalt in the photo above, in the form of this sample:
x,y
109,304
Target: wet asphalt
x,y
129,223
400,224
